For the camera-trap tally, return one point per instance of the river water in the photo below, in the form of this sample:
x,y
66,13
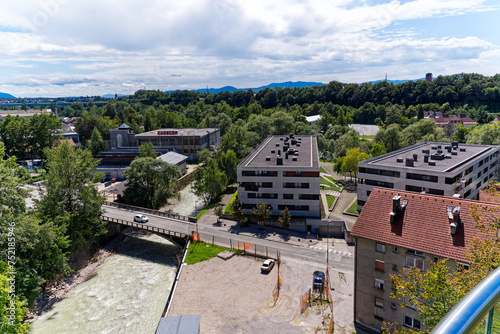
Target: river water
x,y
127,295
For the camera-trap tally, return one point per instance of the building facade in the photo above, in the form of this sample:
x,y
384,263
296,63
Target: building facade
x,y
399,229
283,172
447,169
183,141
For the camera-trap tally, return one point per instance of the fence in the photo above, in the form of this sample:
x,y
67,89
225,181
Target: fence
x,y
330,300
246,248
145,227
151,211
305,301
276,293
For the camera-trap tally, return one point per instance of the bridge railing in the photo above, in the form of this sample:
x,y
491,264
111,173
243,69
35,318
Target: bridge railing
x,y
144,227
151,211
475,313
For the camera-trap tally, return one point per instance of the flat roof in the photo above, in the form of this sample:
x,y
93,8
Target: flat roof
x,y
305,146
464,153
177,132
173,158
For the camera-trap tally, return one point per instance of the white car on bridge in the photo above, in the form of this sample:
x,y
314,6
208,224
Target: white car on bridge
x,y
141,218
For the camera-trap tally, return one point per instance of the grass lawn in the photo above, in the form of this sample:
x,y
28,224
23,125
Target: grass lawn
x,y
202,212
353,208
228,210
325,182
200,251
330,200
323,170
327,162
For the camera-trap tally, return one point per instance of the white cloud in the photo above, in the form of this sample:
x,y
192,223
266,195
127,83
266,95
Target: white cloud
x,y
124,45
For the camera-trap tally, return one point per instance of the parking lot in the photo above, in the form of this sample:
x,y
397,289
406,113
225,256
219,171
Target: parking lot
x,y
233,296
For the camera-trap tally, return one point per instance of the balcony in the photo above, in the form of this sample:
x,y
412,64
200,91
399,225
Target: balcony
x,y
475,313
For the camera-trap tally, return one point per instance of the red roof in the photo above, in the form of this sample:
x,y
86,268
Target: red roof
x,y
422,225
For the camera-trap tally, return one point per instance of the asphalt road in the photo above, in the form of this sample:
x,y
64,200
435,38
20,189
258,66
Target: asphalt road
x,y
222,235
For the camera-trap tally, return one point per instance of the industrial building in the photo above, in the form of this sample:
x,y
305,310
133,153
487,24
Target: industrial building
x,y
448,169
283,172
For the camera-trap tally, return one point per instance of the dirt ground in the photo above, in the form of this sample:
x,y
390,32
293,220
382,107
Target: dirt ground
x,y
233,296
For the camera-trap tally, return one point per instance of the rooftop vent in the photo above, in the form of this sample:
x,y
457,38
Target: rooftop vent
x,y
449,209
279,160
392,215
286,155
454,143
453,228
291,135
426,151
409,162
434,147
281,138
273,151
294,159
426,158
399,159
437,156
439,147
415,156
296,153
462,149
395,203
456,213
405,203
454,153
298,144
448,156
440,151
268,158
294,142
432,163
279,152
277,145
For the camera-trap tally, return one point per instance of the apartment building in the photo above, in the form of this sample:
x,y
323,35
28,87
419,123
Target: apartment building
x,y
399,229
282,172
447,169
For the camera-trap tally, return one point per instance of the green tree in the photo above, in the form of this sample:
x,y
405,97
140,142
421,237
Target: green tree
x,y
45,132
96,143
227,162
204,155
218,211
261,212
237,208
147,151
12,309
209,182
285,218
487,134
70,197
377,149
236,139
351,160
13,195
390,137
461,133
150,182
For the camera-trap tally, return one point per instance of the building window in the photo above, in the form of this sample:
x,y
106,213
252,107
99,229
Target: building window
x,y
415,262
379,302
380,248
413,323
287,196
379,284
463,266
395,267
361,203
379,265
393,306
378,318
368,192
309,197
415,252
395,250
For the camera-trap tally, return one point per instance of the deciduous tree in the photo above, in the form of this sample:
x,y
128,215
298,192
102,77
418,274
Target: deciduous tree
x,y
261,212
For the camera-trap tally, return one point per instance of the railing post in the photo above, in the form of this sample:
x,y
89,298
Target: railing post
x,y
489,321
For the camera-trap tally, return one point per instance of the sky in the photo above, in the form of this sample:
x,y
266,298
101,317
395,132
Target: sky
x,y
57,48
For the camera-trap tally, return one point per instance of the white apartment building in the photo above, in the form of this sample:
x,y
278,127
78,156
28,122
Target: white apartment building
x,y
447,169
283,172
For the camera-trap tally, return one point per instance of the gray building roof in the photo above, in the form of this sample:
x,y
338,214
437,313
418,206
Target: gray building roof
x,y
173,158
302,152
444,157
178,132
184,324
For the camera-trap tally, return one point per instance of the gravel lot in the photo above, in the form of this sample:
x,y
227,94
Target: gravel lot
x,y
233,296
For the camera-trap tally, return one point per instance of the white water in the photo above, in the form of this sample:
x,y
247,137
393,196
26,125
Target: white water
x,y
127,295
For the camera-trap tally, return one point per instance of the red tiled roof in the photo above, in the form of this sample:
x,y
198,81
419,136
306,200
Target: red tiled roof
x,y
423,225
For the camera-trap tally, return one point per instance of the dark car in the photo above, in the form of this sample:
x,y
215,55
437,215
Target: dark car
x,y
105,179
318,279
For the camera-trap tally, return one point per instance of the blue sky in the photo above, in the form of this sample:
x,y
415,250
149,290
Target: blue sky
x,y
71,48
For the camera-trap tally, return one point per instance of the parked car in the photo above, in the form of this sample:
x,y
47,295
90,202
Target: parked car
x,y
267,265
105,179
113,180
140,218
318,279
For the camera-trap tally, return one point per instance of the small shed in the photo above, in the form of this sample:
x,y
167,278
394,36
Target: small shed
x,y
175,159
183,324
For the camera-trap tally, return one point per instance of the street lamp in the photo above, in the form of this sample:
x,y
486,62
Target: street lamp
x,y
196,214
327,241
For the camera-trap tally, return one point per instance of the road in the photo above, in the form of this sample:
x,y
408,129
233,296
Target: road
x,y
222,235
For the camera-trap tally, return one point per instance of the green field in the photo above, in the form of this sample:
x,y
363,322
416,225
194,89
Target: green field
x,y
205,209
228,210
330,200
200,251
323,170
353,208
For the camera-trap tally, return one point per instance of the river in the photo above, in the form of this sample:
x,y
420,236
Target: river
x,y
127,294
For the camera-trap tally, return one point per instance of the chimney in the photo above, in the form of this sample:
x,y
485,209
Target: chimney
x,y
426,158
453,228
392,215
456,214
395,203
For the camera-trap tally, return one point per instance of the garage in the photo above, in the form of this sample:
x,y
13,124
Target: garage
x,y
331,231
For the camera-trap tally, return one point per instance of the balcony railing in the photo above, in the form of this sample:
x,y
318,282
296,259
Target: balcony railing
x,y
475,313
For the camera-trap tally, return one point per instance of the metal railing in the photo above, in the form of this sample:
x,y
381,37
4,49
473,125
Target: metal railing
x,y
475,313
151,211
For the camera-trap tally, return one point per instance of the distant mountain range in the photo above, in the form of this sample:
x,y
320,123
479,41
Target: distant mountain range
x,y
6,96
287,84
